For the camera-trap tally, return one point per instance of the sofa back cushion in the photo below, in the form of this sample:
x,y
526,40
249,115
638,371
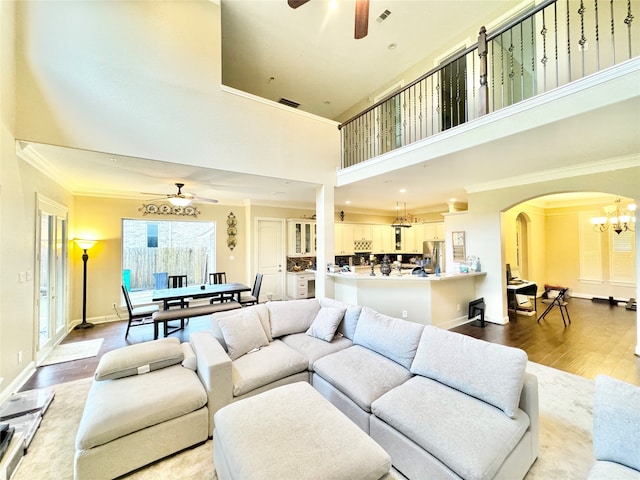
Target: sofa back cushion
x,y
348,325
616,422
292,316
488,371
394,338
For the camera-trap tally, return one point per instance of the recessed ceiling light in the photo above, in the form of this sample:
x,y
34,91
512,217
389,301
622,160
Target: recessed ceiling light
x,y
403,190
348,202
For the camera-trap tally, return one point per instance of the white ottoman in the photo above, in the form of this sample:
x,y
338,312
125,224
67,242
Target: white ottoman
x,y
293,433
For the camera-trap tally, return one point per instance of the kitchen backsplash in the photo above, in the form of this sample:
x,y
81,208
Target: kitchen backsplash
x,y
300,264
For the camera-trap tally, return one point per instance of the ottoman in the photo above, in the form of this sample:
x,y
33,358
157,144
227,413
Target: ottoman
x,y
293,433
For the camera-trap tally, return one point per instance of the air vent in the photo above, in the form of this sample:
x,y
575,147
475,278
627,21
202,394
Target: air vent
x,y
289,103
383,16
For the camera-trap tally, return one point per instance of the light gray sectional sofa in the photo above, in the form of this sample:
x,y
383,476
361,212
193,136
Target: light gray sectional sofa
x,y
442,404
616,430
146,402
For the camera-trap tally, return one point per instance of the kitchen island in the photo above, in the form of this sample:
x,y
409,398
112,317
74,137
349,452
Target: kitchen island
x,y
433,300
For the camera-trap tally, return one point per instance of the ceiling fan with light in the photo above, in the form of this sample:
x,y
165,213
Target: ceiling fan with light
x,y
182,199
362,16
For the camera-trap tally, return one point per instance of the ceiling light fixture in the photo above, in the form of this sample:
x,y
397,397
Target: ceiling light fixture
x,y
402,222
620,220
180,199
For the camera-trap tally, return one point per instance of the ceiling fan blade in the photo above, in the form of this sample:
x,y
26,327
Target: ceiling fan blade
x,y
296,3
204,200
362,19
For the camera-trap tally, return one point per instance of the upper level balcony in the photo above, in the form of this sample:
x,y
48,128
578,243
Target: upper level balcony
x,y
553,44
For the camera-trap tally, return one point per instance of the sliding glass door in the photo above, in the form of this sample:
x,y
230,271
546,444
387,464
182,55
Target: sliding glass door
x,y
51,271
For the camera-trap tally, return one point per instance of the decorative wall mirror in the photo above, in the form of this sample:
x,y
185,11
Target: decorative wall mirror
x,y
459,254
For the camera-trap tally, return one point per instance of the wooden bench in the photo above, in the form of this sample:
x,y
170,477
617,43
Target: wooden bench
x,y
165,316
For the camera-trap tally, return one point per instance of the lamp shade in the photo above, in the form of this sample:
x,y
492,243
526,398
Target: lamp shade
x,y
84,244
180,201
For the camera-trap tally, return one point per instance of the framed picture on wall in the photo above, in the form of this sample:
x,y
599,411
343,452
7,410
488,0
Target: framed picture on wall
x,y
458,243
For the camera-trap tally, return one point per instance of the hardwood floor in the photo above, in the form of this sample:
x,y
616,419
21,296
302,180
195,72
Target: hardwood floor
x,y
600,339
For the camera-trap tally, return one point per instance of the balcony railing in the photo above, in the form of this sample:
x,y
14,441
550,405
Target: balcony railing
x,y
557,42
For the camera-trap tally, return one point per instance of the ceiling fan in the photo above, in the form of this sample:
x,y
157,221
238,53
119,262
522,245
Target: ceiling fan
x,y
182,199
362,16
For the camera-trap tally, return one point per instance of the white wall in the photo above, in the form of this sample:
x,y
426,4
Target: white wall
x,y
131,78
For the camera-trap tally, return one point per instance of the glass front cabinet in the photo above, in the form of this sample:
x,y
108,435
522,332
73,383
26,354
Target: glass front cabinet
x,y
301,238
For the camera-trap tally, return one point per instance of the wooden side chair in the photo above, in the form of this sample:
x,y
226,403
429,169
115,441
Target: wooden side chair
x,y
177,281
558,301
218,278
137,315
253,298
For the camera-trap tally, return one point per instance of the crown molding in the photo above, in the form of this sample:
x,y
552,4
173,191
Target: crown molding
x,y
27,153
558,173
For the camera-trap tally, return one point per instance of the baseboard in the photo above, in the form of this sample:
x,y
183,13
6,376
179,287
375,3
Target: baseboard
x,y
18,382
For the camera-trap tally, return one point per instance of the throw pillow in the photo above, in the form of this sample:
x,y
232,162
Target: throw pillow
x,y
326,323
140,358
242,333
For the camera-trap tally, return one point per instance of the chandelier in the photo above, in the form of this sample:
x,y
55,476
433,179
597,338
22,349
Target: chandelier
x,y
619,219
402,222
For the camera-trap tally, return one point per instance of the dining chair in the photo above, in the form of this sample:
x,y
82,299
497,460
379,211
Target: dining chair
x,y
218,278
177,281
253,298
137,315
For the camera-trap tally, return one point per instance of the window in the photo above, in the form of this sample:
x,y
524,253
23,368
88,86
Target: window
x,y
152,250
152,235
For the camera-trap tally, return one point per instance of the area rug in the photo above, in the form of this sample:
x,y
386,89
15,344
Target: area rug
x,y
565,435
67,352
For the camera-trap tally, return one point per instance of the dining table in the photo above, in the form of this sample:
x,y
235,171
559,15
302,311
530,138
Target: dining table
x,y
206,290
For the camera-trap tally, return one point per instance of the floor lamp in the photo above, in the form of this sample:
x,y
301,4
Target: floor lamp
x,y
84,245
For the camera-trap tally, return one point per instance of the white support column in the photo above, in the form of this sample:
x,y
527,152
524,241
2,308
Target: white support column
x,y
325,242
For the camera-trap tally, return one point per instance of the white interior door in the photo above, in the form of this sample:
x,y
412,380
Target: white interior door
x,y
271,257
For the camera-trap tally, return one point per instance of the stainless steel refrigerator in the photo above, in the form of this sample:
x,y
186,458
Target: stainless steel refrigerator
x,y
432,255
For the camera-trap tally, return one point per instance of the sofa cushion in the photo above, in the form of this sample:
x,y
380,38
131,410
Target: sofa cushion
x,y
270,363
392,337
292,316
469,436
361,374
242,333
115,408
312,348
616,422
260,309
325,324
603,470
190,361
488,371
139,359
348,325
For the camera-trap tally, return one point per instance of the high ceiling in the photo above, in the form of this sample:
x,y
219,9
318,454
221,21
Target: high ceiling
x,y
309,55
314,60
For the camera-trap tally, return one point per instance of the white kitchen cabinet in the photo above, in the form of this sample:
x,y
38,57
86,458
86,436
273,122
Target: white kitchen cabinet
x,y
362,232
381,239
343,239
300,285
434,231
301,238
413,238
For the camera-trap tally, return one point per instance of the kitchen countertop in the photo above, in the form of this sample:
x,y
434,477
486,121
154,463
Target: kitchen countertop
x,y
405,277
